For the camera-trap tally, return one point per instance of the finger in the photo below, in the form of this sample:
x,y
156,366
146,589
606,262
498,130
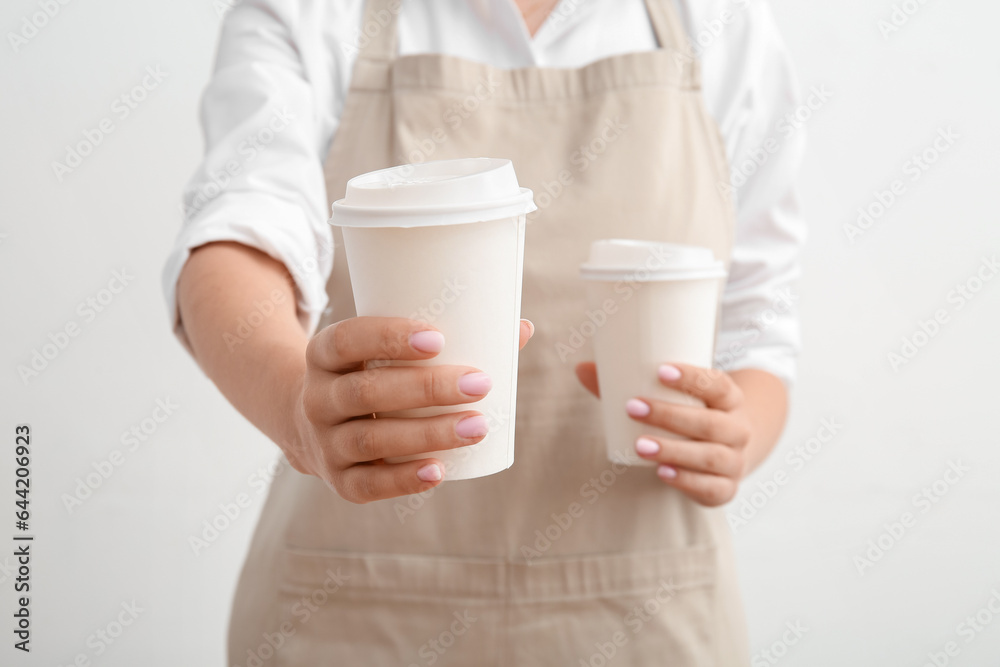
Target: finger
x,y
694,422
586,373
342,346
716,388
363,440
526,332
707,457
364,483
708,490
388,388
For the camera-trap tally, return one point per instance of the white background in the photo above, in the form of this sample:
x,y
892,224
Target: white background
x,y
61,242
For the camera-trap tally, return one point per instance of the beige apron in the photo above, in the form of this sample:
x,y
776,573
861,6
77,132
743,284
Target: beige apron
x,y
565,559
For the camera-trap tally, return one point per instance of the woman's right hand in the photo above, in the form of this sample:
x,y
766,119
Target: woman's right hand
x,y
336,438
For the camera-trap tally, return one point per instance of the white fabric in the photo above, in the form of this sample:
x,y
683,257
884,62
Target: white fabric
x,y
281,77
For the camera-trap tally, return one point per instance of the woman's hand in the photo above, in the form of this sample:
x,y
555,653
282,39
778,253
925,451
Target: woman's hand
x,y
336,438
315,398
709,466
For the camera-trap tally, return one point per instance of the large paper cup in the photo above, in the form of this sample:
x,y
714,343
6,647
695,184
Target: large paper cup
x,y
651,303
443,242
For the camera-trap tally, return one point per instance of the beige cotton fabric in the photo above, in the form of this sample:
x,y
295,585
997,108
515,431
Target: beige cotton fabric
x,y
564,559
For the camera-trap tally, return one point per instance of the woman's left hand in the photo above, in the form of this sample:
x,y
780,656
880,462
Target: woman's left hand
x,y
709,466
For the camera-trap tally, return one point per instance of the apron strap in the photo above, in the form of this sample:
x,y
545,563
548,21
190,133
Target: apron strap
x,y
377,39
667,26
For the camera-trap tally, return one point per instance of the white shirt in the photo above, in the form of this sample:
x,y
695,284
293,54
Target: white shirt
x,y
281,76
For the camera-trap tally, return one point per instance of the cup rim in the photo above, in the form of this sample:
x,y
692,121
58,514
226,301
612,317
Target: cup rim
x,y
432,215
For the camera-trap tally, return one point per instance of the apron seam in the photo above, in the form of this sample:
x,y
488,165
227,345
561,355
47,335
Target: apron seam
x,y
522,100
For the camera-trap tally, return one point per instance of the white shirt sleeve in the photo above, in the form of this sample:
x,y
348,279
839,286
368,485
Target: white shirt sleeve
x,y
750,88
261,181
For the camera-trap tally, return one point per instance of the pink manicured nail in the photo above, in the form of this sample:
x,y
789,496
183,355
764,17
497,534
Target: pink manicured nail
x,y
430,473
669,373
531,327
472,427
637,408
475,384
427,341
647,447
666,472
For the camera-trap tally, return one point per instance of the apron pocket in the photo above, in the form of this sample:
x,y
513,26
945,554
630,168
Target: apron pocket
x,y
389,609
643,608
639,609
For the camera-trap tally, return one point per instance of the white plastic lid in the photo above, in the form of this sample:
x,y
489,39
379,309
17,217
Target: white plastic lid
x,y
628,259
444,192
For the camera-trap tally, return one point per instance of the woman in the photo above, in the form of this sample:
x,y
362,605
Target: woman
x,y
564,558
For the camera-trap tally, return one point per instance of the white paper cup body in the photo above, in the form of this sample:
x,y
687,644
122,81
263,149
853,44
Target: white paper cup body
x,y
465,280
443,242
647,323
